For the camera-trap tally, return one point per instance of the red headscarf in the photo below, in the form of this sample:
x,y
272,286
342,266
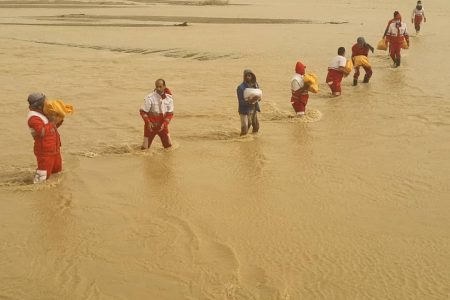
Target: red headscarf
x,y
300,68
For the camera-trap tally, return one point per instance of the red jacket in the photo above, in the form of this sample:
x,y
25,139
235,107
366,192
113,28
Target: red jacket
x,y
357,50
46,136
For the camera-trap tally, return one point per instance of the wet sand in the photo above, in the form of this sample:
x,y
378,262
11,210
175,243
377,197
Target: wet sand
x,y
349,203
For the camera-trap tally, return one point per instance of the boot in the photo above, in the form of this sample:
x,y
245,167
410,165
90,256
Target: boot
x,y
355,81
398,62
366,80
40,176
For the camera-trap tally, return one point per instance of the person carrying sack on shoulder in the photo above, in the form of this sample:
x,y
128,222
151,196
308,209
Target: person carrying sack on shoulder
x,y
248,107
361,48
397,35
47,141
157,112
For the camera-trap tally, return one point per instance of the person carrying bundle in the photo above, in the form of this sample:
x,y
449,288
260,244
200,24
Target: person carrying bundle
x,y
336,71
44,119
299,90
360,52
398,38
249,94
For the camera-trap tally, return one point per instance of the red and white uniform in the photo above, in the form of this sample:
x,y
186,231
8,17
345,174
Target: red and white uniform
x,y
47,143
397,33
158,111
299,90
334,76
417,16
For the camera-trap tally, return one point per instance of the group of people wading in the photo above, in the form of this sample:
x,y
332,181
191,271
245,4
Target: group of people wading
x,y
158,108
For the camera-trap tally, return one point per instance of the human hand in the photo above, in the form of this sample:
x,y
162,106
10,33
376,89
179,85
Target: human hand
x,y
151,126
163,125
412,20
55,118
424,20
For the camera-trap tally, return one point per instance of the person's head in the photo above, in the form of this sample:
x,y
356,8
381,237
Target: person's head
x,y
397,16
300,68
160,86
361,42
249,76
36,100
419,6
341,51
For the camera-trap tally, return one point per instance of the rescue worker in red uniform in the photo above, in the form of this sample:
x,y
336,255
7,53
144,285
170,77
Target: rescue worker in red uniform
x,y
387,28
47,142
299,90
157,112
417,16
361,48
336,71
397,33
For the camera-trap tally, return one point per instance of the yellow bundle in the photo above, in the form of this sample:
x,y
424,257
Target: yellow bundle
x,y
405,44
348,67
312,81
361,60
58,107
382,45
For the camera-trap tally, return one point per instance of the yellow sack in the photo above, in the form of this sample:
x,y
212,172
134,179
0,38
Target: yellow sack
x,y
361,60
348,67
405,44
382,45
58,107
312,81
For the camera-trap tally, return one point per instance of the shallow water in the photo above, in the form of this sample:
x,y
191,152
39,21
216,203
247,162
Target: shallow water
x,y
350,202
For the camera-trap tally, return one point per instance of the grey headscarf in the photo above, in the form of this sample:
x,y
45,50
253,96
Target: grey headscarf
x,y
361,41
36,100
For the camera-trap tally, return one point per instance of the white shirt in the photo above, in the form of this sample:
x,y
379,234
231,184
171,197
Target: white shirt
x,y
394,31
297,82
417,12
337,61
155,104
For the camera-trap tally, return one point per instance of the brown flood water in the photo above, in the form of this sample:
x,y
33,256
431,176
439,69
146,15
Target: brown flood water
x,y
350,203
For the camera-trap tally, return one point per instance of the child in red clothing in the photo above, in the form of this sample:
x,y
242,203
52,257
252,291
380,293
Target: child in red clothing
x,y
336,71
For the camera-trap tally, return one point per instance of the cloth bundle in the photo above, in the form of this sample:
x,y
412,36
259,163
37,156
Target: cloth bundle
x,y
405,44
251,93
57,107
348,67
382,45
361,60
312,81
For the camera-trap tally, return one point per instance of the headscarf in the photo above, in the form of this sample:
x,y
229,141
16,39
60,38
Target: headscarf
x,y
361,41
300,68
36,100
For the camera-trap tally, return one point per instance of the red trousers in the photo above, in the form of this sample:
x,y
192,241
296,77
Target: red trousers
x,y
368,73
417,21
395,51
51,163
334,78
163,135
299,103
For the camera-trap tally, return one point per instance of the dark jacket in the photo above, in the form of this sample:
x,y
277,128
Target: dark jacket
x,y
244,106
